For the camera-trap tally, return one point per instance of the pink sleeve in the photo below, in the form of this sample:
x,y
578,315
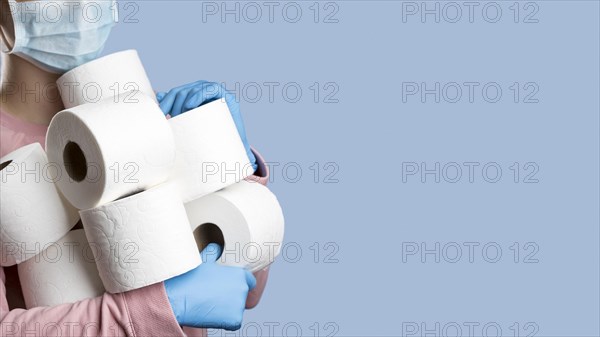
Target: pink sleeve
x,y
261,175
142,312
261,282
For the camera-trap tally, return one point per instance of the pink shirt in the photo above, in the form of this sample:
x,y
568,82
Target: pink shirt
x,y
143,312
15,133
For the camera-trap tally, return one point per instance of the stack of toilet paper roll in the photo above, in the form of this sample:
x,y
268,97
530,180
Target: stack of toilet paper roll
x,y
36,232
151,192
118,157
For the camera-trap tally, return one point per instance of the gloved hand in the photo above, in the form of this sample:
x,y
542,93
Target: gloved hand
x,y
190,96
211,295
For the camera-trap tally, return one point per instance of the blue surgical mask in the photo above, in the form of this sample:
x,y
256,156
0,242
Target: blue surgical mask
x,y
60,35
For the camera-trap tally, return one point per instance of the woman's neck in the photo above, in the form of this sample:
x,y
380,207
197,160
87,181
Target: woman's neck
x,y
27,91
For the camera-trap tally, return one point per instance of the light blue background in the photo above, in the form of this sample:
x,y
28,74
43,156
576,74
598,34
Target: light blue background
x,y
371,132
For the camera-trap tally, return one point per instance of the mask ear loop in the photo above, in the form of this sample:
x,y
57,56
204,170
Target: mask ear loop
x,y
3,45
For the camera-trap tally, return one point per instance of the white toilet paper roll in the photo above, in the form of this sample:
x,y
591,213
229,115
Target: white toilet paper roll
x,y
141,239
108,150
108,76
65,272
245,218
210,152
33,213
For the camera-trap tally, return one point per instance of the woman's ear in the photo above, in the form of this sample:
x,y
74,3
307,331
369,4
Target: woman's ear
x,y
7,27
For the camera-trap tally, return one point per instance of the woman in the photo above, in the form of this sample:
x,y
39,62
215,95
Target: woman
x,y
36,51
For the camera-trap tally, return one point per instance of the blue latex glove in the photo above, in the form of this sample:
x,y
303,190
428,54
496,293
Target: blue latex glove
x,y
211,295
190,96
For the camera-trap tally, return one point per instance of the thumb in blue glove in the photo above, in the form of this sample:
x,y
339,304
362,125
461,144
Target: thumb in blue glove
x,y
211,295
